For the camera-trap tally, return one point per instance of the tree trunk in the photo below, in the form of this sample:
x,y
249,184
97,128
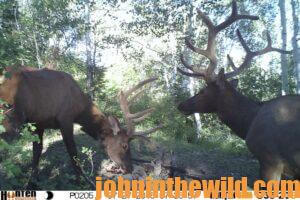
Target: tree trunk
x,y
16,15
191,84
198,125
296,50
88,43
284,64
37,51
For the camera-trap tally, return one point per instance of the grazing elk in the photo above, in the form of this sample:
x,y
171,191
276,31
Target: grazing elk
x,y
271,129
53,100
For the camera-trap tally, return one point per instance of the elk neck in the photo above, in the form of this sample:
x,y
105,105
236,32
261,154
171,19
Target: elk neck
x,y
94,122
237,111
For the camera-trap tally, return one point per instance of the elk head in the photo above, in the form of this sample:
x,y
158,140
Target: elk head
x,y
208,100
117,145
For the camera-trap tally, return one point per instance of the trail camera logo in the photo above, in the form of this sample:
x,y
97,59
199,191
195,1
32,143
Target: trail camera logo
x,y
49,195
18,195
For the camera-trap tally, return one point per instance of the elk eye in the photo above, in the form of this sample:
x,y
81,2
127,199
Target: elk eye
x,y
125,146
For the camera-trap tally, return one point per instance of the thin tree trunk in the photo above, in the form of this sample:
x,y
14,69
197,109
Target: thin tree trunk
x,y
296,50
37,51
88,43
191,84
284,65
94,58
192,88
18,28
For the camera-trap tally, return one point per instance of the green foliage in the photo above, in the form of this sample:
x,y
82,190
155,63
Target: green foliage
x,y
133,40
14,154
9,48
260,85
176,125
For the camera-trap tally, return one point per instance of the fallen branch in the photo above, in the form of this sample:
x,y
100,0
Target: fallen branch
x,y
86,178
165,166
178,169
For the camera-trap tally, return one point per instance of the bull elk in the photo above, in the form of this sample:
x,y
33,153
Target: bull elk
x,y
271,129
53,100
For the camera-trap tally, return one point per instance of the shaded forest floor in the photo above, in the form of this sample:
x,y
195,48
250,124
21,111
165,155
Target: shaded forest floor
x,y
204,160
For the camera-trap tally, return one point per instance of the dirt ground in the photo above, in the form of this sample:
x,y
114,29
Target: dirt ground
x,y
190,161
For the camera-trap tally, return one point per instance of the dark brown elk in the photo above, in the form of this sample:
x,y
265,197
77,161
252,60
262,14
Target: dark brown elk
x,y
53,100
271,129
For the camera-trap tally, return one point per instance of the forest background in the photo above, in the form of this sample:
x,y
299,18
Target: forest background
x,y
110,45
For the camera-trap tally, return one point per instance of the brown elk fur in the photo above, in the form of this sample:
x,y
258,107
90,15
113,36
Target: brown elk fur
x,y
53,100
271,129
269,136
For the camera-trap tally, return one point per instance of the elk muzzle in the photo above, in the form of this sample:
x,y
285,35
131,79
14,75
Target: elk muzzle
x,y
124,161
185,108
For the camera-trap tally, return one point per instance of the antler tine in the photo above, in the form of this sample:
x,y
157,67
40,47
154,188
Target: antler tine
x,y
269,47
140,115
136,96
141,84
132,118
190,74
250,55
234,17
242,41
206,20
190,67
147,132
269,39
210,51
231,63
185,64
125,109
189,44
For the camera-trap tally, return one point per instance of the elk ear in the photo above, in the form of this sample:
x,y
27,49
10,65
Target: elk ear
x,y
221,79
234,83
115,124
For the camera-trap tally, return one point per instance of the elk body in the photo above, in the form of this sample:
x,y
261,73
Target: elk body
x,y
271,129
53,100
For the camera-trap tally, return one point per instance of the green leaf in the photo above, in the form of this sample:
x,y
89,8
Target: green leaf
x,y
2,129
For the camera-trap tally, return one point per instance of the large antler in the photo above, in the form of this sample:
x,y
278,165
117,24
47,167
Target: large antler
x,y
250,55
132,118
210,51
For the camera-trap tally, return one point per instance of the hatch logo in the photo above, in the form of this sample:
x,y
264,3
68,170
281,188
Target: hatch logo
x,y
18,195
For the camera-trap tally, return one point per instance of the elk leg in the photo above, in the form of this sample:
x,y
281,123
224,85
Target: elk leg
x,y
68,138
271,171
37,152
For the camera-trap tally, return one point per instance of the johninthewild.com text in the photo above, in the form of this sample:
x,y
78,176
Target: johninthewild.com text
x,y
226,187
